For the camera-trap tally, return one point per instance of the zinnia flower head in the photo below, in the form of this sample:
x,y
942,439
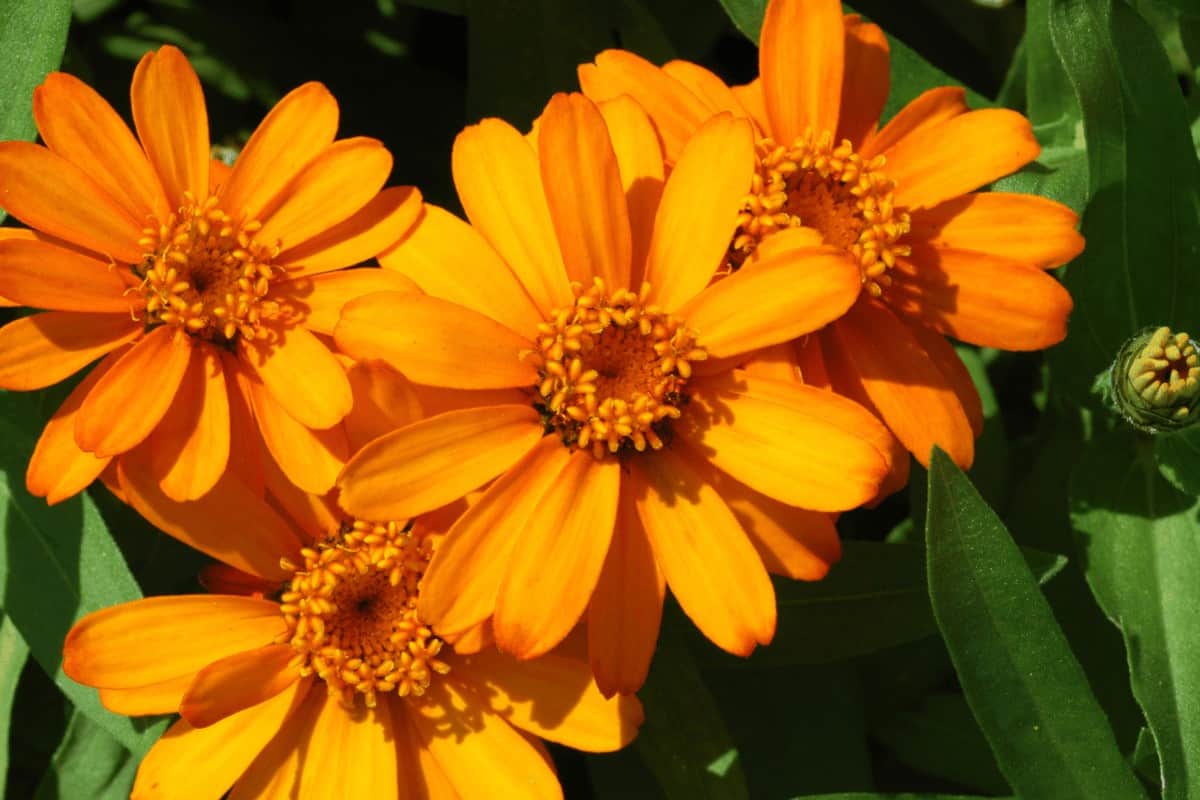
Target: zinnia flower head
x,y
935,257
624,450
323,680
184,278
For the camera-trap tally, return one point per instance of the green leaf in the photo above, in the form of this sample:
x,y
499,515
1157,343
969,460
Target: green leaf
x,y
58,563
1029,694
1178,456
1141,225
901,796
683,741
88,763
1141,546
13,653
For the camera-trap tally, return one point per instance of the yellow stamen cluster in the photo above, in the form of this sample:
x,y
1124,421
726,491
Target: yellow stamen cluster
x,y
205,273
1165,373
351,612
831,189
612,369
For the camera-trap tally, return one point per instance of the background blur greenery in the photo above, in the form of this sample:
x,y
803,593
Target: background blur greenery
x,y
930,660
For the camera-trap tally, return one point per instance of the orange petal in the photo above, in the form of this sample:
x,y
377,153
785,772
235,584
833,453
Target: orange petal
x,y
677,112
42,275
47,192
118,414
431,462
626,607
799,445
450,260
480,753
275,773
156,639
556,561
460,587
298,129
189,449
801,59
195,763
499,183
941,352
79,125
1020,227
303,377
711,90
912,395
794,542
218,578
357,754
751,97
959,155
368,232
158,698
172,122
312,517
552,697
42,349
320,298
866,81
384,401
421,777
310,458
928,109
434,341
640,160
982,299
328,190
238,682
773,300
583,190
246,449
811,362
705,556
699,210
58,469
777,362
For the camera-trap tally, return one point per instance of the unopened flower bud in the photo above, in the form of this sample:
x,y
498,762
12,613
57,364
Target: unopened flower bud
x,y
1155,380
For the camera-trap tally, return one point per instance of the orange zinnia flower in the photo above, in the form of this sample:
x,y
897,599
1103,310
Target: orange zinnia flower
x,y
628,449
399,714
935,258
185,278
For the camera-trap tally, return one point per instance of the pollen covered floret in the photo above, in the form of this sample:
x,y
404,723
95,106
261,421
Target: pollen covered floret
x,y
351,611
612,369
831,189
205,273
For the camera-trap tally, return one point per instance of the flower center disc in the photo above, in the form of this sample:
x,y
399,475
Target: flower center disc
x,y
351,612
831,189
207,274
612,370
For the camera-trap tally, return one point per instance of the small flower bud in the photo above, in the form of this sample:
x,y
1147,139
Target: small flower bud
x,y
1155,380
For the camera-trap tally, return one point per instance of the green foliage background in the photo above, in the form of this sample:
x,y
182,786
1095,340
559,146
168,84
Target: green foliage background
x,y
1032,629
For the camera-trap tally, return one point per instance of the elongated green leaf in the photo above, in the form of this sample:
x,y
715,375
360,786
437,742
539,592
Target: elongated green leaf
x,y
1031,698
1141,224
1141,543
1178,457
901,796
13,652
88,763
683,740
58,563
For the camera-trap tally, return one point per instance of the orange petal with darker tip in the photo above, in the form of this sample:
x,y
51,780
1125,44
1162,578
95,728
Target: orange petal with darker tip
x,y
460,586
319,299
118,414
42,349
913,397
951,158
238,682
699,211
303,377
930,108
79,125
866,80
801,60
434,341
626,608
42,275
437,460
49,193
982,299
1022,227
172,122
499,183
298,129
159,638
708,562
583,189
557,558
